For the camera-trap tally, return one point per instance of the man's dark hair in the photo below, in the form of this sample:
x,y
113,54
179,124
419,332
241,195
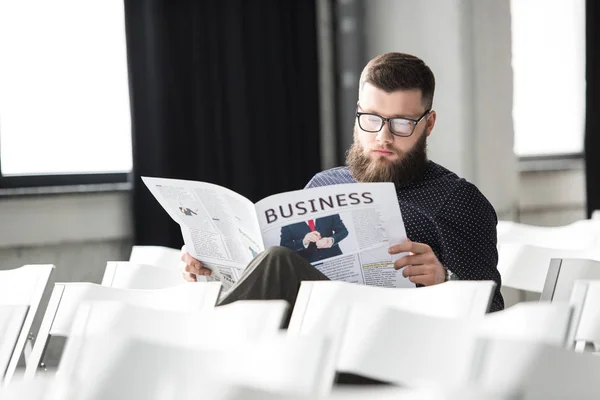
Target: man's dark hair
x,y
399,71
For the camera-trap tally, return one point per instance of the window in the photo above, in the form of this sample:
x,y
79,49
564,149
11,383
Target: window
x,y
548,42
64,99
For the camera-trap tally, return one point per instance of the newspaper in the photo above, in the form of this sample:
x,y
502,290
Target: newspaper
x,y
343,230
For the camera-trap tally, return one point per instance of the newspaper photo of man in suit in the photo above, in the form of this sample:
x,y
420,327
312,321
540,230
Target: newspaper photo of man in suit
x,y
315,239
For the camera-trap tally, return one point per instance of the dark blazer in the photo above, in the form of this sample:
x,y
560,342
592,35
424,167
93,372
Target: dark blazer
x,y
330,226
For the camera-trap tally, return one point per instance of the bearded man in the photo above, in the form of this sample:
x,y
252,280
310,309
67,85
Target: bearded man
x,y
450,225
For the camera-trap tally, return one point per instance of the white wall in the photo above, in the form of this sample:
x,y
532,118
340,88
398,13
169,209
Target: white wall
x,y
552,198
467,45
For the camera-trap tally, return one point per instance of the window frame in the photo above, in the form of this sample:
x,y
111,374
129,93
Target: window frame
x,y
551,162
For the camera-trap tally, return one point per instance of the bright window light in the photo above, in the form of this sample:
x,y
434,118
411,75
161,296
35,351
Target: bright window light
x,y
64,97
548,45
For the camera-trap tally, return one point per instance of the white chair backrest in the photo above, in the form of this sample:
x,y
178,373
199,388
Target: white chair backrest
x,y
11,322
66,298
580,235
563,273
402,347
119,367
537,322
128,275
159,256
525,267
585,328
405,348
242,320
23,286
317,300
535,370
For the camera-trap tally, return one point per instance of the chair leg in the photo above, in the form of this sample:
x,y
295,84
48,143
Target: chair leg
x,y
39,347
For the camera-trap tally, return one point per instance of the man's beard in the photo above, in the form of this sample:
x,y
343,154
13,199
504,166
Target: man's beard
x,y
407,168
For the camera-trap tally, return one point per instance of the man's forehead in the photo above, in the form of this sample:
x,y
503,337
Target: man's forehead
x,y
397,103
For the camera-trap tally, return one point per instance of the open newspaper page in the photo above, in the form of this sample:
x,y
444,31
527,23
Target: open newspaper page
x,y
219,226
343,230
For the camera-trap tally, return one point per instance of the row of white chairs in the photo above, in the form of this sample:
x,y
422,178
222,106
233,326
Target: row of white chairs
x,y
315,308
528,254
381,342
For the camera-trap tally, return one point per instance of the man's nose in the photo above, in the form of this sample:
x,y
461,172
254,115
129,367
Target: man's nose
x,y
384,136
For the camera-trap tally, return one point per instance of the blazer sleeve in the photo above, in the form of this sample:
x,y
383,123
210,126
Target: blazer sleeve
x,y
289,240
339,229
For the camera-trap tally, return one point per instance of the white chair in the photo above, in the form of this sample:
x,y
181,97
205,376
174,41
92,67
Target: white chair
x,y
317,300
402,347
562,274
538,371
584,334
121,367
23,286
525,267
322,306
159,256
66,298
11,322
128,275
580,235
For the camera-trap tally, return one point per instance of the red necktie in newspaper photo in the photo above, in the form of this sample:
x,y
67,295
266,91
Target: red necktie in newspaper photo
x,y
311,225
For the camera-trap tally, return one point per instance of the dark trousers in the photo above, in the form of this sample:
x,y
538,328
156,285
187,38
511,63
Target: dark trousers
x,y
276,274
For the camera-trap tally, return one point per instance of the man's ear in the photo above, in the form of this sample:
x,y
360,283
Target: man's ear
x,y
430,121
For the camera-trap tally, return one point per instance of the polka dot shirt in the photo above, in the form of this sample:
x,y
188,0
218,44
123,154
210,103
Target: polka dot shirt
x,y
450,215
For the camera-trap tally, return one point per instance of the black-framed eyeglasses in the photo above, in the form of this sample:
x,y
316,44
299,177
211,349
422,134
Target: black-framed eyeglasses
x,y
399,126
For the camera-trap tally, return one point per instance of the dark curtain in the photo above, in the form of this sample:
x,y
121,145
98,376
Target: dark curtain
x,y
592,115
222,91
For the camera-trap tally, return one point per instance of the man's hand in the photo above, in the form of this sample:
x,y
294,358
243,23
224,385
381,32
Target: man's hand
x,y
422,266
325,243
190,266
311,237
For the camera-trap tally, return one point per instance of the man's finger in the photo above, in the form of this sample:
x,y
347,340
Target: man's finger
x,y
415,270
191,269
189,260
409,246
188,277
417,259
314,237
425,280
198,271
183,253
